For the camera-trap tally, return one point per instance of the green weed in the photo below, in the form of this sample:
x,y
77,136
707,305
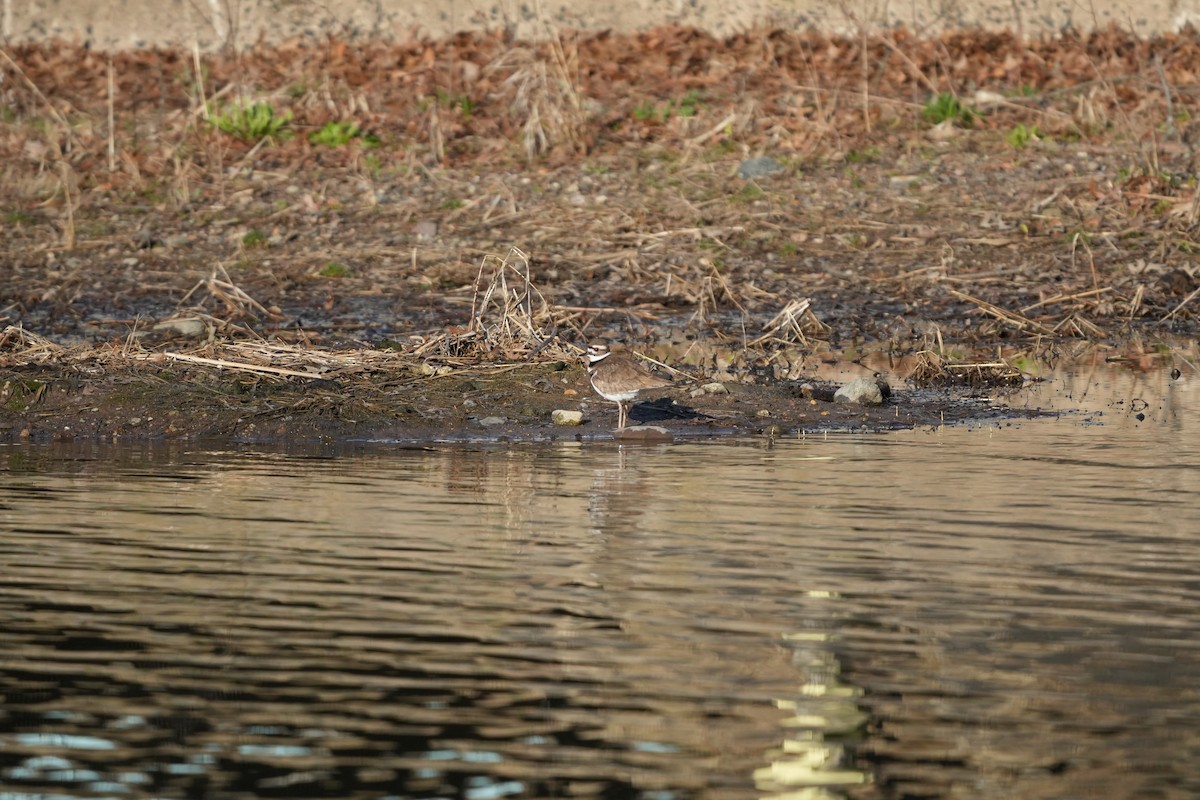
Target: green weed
x,y
688,106
646,112
253,123
863,155
334,270
464,104
749,193
254,238
372,164
948,107
1022,134
339,134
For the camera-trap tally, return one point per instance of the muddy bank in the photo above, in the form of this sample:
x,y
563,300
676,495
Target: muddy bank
x,y
172,402
739,209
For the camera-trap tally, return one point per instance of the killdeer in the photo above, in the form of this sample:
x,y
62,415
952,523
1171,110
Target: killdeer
x,y
619,378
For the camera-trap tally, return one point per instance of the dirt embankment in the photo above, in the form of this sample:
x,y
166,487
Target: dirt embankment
x,y
299,242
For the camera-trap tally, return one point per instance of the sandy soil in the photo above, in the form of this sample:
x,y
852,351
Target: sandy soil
x,y
118,24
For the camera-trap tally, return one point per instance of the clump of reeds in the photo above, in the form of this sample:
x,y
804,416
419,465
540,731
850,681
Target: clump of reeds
x,y
511,319
935,366
19,347
221,305
794,323
546,103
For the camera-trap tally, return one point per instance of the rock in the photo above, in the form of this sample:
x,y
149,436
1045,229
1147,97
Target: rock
x,y
185,326
489,422
760,167
649,434
988,100
426,230
561,416
863,391
714,388
943,131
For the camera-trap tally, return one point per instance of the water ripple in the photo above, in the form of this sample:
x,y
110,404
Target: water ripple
x,y
959,613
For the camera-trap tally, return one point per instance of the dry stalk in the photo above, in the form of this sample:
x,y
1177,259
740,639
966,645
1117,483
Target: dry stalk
x,y
510,317
19,346
220,287
112,132
1076,325
931,367
1078,239
1062,298
1007,317
546,102
1192,296
790,324
54,112
928,369
437,142
64,176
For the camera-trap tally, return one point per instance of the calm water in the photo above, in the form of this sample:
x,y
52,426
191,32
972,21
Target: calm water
x,y
990,612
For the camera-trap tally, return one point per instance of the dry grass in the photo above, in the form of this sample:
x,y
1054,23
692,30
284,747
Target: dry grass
x,y
935,365
546,102
19,347
792,325
510,318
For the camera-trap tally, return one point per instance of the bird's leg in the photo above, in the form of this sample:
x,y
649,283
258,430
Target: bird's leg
x,y
622,415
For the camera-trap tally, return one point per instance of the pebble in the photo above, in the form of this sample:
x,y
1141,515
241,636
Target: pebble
x,y
863,391
759,167
489,422
184,326
426,231
562,416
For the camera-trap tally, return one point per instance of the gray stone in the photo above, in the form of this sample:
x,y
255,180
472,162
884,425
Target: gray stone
x,y
561,416
426,231
863,391
489,422
759,167
185,326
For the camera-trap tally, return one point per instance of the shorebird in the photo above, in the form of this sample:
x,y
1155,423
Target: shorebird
x,y
619,378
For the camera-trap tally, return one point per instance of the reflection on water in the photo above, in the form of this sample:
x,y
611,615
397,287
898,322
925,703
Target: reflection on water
x,y
987,612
